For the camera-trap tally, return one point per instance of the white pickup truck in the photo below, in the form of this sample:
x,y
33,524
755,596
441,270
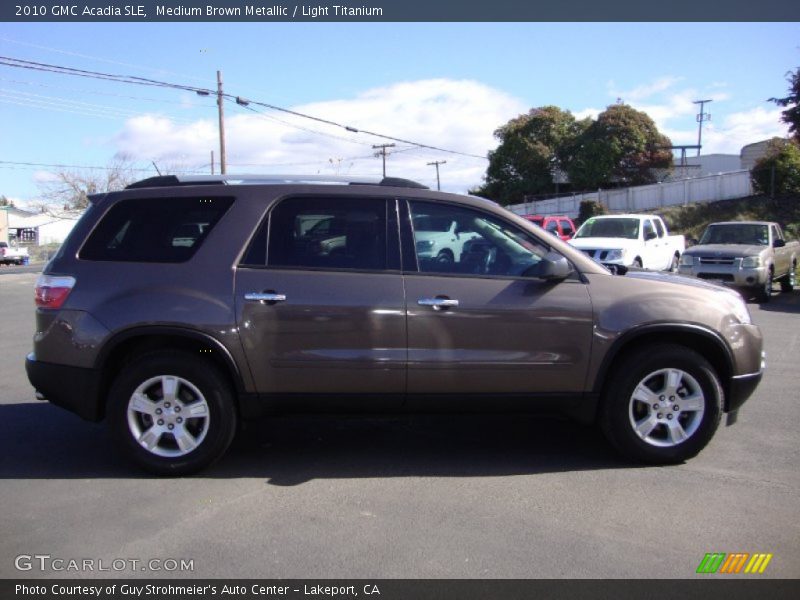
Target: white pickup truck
x,y
12,255
631,240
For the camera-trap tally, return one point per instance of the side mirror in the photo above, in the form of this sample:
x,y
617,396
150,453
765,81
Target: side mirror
x,y
778,243
553,267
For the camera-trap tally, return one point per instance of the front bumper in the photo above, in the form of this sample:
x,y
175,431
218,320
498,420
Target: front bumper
x,y
76,389
731,275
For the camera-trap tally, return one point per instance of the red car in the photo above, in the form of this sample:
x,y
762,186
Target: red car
x,y
561,226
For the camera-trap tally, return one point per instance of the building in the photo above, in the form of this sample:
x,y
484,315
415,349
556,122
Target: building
x,y
35,229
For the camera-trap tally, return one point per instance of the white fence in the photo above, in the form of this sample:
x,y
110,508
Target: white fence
x,y
723,186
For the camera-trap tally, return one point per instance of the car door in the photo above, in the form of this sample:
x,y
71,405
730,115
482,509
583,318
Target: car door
x,y
652,246
486,325
782,258
320,302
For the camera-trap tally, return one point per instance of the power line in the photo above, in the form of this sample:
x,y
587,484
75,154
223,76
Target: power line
x,y
38,66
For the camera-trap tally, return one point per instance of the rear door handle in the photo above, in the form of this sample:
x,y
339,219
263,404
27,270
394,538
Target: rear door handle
x,y
438,303
264,297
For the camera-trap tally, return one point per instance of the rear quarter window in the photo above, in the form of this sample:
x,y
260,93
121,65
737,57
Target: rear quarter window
x,y
162,230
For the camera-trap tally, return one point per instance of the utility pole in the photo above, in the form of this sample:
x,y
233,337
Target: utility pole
x,y
382,152
220,100
436,164
703,116
212,162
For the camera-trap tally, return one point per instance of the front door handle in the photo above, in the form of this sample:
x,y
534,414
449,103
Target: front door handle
x,y
264,297
438,303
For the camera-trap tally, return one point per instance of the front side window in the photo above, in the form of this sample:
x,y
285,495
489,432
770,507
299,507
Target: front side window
x,y
328,233
163,230
469,242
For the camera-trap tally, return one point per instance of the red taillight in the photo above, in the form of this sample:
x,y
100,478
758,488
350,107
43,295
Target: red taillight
x,y
52,290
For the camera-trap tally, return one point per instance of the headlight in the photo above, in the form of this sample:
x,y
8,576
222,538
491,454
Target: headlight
x,y
615,254
687,260
751,262
425,245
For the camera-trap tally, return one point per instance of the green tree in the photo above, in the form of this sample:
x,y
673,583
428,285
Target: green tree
x,y
529,156
6,202
622,147
778,171
791,115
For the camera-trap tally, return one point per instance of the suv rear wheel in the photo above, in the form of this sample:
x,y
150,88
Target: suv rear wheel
x,y
171,413
662,406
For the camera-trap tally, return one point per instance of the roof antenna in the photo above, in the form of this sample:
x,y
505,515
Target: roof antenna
x,y
155,166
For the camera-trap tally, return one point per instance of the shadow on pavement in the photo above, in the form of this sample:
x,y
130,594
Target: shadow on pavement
x,y
788,302
40,441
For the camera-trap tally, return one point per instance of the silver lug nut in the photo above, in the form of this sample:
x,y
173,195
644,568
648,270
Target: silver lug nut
x,y
668,417
170,426
159,411
180,420
166,404
676,408
161,421
660,416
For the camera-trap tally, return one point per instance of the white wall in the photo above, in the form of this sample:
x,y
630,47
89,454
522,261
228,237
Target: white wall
x,y
647,197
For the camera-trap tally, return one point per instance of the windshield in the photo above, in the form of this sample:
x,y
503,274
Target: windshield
x,y
623,227
736,233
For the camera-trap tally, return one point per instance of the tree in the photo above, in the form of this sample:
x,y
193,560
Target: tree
x,y
69,189
528,156
6,202
622,147
778,171
791,115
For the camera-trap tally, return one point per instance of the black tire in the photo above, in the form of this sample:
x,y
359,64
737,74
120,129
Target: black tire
x,y
202,395
623,407
445,258
673,267
789,280
765,293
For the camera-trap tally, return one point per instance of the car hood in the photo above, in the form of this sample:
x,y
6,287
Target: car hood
x,y
726,250
603,243
673,278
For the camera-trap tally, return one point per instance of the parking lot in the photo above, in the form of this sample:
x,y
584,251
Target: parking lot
x,y
424,497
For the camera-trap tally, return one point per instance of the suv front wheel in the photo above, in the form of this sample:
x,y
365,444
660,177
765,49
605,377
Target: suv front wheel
x,y
662,406
171,413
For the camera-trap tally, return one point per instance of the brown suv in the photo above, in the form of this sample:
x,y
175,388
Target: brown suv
x,y
180,306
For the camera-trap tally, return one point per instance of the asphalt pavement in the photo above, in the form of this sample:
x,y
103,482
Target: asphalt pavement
x,y
410,497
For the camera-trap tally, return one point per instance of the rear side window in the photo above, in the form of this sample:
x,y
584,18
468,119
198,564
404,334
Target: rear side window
x,y
163,230
659,228
329,233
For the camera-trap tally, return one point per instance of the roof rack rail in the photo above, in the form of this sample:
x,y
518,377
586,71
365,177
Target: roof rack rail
x,y
181,180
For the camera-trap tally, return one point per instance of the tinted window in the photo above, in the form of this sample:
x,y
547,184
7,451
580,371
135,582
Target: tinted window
x,y
475,244
659,228
566,227
335,233
648,229
154,229
552,226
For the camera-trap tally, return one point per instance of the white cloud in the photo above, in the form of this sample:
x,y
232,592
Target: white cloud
x,y
644,91
454,114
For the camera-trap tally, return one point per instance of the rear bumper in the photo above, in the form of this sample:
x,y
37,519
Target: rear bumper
x,y
73,388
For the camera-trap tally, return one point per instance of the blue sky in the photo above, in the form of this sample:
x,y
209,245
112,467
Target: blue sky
x,y
447,85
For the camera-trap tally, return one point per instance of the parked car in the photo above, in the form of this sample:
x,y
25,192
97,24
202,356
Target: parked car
x,y
175,343
748,255
13,255
640,241
559,225
440,239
